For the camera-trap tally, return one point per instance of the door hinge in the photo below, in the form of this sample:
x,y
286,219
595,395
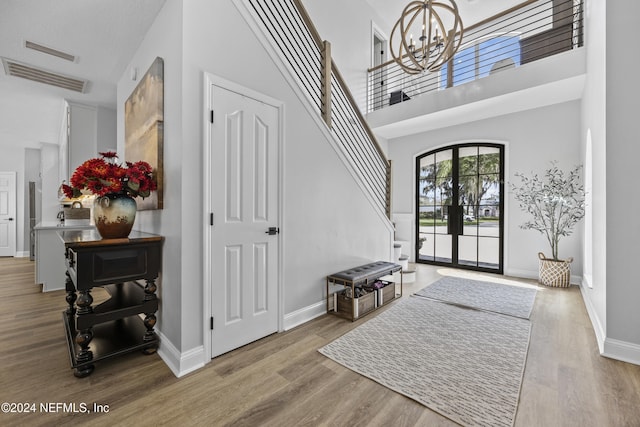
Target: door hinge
x,y
211,219
211,116
211,325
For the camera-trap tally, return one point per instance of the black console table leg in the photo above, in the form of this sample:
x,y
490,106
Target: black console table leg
x,y
71,296
150,335
84,337
150,318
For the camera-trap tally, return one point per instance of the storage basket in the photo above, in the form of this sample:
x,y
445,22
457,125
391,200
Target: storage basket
x,y
556,273
387,293
356,307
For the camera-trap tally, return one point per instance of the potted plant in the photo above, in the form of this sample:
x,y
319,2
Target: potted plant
x,y
556,203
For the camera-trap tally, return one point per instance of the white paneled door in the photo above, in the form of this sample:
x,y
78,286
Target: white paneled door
x,y
244,241
7,213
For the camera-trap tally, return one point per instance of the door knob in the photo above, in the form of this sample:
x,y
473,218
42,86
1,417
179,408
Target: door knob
x,y
272,231
9,219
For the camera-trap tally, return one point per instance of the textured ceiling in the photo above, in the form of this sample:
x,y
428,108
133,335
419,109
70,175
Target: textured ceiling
x,y
102,34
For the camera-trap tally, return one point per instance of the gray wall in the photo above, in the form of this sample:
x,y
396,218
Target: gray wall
x,y
622,154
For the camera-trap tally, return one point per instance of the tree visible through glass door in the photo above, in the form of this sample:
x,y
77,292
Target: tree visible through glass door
x,y
459,207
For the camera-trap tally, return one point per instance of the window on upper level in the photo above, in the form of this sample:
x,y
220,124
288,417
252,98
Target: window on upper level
x,y
483,58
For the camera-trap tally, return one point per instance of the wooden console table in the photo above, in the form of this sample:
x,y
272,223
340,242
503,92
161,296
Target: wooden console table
x,y
113,327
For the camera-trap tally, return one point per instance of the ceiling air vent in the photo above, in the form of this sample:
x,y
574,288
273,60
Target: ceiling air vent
x,y
49,51
14,68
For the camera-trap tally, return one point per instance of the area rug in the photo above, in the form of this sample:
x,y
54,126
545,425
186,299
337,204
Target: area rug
x,y
499,298
464,364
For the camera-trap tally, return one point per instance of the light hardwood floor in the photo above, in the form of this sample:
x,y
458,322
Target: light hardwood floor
x,y
283,381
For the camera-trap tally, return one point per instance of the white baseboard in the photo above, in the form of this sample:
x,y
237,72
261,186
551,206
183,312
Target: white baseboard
x,y
180,363
524,274
595,320
304,315
609,347
533,274
22,254
621,350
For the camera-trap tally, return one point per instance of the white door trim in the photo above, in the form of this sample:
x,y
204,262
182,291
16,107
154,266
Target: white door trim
x,y
213,80
11,218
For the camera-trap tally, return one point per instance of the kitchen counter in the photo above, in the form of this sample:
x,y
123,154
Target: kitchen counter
x,y
50,267
60,225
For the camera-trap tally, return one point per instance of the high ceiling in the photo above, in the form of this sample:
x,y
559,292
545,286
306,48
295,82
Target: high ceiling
x,y
471,11
102,34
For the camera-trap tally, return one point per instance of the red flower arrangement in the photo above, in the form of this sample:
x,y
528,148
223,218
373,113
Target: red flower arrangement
x,y
102,176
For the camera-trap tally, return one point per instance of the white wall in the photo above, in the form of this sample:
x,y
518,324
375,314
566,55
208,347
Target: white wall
x,y
622,154
347,26
533,138
594,120
164,39
328,223
107,135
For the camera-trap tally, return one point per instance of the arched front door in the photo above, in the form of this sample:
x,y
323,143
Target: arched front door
x,y
459,207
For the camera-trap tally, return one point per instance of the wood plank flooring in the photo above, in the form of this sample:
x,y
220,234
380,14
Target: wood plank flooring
x,y
282,380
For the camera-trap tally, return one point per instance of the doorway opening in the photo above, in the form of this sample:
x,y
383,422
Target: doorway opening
x,y
378,57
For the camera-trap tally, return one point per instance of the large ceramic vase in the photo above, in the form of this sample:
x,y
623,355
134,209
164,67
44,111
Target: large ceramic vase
x,y
114,215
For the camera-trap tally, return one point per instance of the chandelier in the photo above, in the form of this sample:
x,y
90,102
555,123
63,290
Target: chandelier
x,y
436,24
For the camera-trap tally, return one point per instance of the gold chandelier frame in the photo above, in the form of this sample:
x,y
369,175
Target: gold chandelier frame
x,y
436,43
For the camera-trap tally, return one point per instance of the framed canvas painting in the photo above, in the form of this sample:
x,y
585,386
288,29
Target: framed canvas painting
x,y
144,128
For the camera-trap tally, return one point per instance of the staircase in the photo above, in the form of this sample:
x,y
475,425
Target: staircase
x,y
402,246
307,59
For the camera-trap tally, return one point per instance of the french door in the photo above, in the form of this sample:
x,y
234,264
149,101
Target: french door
x,y
459,207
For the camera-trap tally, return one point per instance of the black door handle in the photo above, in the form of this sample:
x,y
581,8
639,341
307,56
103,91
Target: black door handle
x,y
9,219
272,231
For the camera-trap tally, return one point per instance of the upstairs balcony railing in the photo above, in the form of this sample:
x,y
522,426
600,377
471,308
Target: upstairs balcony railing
x,y
532,30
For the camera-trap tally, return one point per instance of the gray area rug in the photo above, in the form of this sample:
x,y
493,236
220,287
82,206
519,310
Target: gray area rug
x,y
465,364
496,297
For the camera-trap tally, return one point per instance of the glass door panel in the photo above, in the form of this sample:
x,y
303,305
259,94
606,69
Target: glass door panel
x,y
488,252
459,206
433,199
443,248
468,250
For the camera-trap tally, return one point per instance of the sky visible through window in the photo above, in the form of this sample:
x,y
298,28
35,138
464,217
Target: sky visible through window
x,y
476,61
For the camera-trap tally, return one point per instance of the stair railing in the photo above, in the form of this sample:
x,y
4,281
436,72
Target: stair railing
x,y
310,64
531,30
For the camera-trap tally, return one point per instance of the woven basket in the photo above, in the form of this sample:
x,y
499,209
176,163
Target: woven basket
x,y
556,273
